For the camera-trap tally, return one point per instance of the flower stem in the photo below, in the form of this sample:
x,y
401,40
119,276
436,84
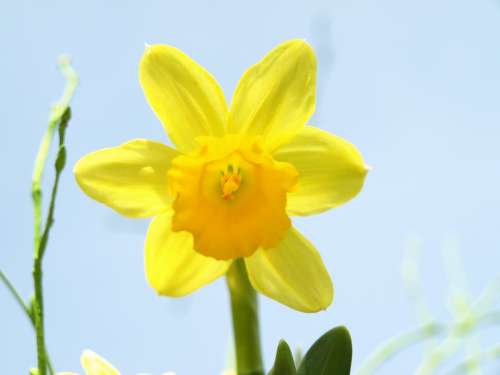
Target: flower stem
x,y
27,309
13,291
59,116
244,309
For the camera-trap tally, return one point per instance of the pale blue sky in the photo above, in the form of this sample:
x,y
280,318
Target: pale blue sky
x,y
415,85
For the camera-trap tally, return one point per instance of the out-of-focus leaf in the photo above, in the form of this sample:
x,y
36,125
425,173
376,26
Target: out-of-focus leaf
x,y
298,355
331,354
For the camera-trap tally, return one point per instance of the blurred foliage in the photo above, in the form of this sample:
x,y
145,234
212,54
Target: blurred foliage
x,y
446,341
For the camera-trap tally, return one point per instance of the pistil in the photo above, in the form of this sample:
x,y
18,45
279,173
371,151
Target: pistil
x,y
230,182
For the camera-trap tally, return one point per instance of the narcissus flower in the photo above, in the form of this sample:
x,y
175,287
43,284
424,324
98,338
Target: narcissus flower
x,y
236,176
93,364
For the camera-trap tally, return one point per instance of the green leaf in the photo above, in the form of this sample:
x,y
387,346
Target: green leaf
x,y
298,355
283,364
331,354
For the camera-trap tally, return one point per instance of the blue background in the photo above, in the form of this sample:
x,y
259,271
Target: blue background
x,y
415,85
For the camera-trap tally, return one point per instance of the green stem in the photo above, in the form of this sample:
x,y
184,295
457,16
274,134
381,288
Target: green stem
x,y
492,354
59,116
24,307
16,296
395,345
39,318
468,322
244,308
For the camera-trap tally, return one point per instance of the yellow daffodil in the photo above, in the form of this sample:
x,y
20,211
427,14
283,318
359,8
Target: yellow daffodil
x,y
235,177
93,364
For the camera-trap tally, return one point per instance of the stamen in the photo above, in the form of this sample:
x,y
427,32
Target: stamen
x,y
230,181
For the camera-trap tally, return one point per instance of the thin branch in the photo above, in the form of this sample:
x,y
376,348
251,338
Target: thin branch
x,y
393,346
491,354
60,115
13,291
387,350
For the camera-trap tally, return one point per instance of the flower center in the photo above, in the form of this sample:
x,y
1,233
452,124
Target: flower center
x,y
229,182
231,196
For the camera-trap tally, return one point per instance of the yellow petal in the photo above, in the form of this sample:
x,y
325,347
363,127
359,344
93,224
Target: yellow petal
x,y
276,96
331,171
93,364
173,267
292,273
131,178
185,97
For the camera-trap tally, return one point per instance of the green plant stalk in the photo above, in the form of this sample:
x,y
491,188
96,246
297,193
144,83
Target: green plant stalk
x,y
460,299
411,276
17,297
59,116
26,309
483,356
244,308
397,344
467,322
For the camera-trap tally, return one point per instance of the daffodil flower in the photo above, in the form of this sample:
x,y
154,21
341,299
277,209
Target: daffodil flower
x,y
236,176
93,364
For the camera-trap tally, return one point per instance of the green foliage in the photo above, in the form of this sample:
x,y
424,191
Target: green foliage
x,y
444,339
283,363
331,354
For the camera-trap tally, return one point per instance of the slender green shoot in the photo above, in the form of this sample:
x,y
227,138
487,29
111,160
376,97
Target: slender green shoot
x,y
17,297
59,116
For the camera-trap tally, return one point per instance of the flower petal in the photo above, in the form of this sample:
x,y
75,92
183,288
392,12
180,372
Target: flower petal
x,y
93,364
277,96
331,171
292,273
173,267
131,178
185,97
